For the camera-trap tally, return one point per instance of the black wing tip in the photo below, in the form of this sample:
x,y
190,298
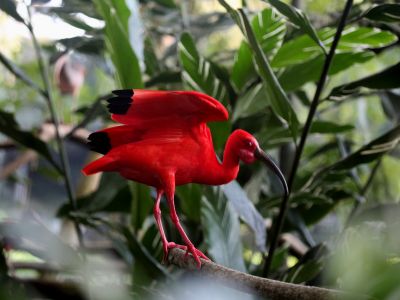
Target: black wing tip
x,y
123,93
99,142
120,104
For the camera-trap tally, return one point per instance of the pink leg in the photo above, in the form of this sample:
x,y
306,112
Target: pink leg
x,y
157,216
175,219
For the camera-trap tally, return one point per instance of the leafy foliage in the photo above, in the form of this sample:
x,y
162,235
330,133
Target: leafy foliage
x,y
343,199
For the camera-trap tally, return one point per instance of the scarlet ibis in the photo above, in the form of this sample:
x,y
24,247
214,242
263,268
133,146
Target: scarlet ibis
x,y
166,142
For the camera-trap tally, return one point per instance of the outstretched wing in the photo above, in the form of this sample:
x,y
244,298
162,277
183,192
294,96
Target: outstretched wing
x,y
157,117
133,106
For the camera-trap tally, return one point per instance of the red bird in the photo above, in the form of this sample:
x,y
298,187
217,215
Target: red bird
x,y
166,142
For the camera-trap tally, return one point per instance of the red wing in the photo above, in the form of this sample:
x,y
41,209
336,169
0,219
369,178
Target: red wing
x,y
103,140
133,106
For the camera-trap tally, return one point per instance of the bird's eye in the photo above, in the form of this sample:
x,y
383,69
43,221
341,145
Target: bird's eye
x,y
249,143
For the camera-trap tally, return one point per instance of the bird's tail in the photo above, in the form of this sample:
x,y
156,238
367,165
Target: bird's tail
x,y
102,164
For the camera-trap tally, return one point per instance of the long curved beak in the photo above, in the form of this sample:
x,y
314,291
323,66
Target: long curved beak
x,y
264,157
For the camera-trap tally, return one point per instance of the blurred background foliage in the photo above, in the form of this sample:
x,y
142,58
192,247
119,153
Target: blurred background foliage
x,y
342,225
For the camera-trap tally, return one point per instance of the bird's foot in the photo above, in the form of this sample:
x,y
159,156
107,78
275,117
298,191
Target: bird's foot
x,y
196,253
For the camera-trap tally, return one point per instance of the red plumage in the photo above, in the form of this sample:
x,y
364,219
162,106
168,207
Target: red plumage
x,y
165,142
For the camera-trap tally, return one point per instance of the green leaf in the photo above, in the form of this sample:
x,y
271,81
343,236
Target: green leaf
x,y
141,205
296,76
269,30
247,212
198,75
9,7
222,230
277,97
116,14
251,102
10,128
353,39
329,127
384,13
387,79
298,18
165,77
370,152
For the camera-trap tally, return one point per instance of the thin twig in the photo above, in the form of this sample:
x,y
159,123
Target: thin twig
x,y
263,287
54,119
314,104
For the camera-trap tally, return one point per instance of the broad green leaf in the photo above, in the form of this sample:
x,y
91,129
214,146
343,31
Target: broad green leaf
x,y
387,79
296,76
9,7
276,95
384,13
165,77
329,127
116,14
10,128
198,75
251,102
298,18
353,39
221,229
197,71
371,151
247,212
269,30
141,204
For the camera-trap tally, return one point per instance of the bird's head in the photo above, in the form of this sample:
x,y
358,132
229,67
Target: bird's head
x,y
248,151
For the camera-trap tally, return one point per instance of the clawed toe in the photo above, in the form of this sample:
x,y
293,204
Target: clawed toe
x,y
196,254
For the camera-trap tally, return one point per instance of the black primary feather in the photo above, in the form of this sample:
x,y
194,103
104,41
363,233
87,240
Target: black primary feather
x,y
99,142
120,105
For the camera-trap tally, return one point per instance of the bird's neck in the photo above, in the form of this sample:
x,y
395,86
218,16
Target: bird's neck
x,y
227,170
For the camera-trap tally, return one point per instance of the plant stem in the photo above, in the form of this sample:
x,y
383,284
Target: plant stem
x,y
54,118
278,224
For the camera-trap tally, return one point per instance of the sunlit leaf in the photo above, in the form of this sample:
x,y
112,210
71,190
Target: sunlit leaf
x,y
296,76
115,14
198,75
353,39
276,95
269,30
298,18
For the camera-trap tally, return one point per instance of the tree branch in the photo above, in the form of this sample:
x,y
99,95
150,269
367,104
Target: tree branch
x,y
266,288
